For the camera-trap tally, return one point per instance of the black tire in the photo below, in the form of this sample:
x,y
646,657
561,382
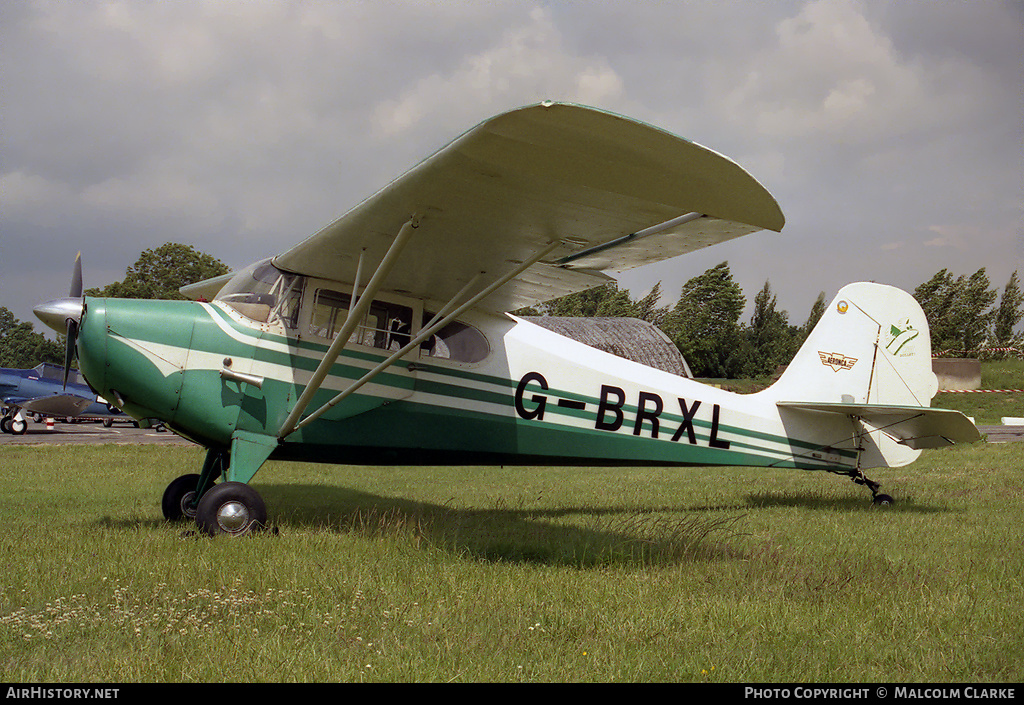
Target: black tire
x,y
107,423
18,426
231,509
5,424
177,498
883,500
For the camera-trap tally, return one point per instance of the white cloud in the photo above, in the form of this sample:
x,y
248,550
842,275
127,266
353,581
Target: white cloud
x,y
830,75
529,63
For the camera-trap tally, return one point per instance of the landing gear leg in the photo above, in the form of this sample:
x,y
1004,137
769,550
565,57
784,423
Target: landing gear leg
x,y
231,508
860,478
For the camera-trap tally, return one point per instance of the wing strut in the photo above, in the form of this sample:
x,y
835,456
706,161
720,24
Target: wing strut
x,y
653,230
355,315
439,321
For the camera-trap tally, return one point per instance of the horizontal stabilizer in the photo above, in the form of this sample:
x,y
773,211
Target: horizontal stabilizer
x,y
916,427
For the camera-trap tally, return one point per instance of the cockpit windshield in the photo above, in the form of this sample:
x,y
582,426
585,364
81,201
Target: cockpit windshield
x,y
265,294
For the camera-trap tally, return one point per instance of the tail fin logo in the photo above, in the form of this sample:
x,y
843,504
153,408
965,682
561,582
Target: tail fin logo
x,y
837,361
899,336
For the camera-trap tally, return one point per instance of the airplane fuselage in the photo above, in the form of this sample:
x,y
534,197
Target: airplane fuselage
x,y
520,395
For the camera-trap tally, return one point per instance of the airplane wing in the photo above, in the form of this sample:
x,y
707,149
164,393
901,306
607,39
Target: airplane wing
x,y
914,426
618,193
207,289
56,405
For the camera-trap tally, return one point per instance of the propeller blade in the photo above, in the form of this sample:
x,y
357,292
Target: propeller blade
x,y
76,278
72,323
69,350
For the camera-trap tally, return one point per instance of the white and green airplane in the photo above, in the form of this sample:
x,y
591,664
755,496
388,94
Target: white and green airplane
x,y
385,338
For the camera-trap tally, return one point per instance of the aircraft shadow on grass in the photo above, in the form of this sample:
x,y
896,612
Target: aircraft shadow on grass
x,y
619,535
818,502
623,535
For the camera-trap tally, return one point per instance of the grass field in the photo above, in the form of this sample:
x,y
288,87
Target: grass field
x,y
514,574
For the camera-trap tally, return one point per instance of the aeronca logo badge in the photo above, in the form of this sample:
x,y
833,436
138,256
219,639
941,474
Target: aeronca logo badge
x,y
837,361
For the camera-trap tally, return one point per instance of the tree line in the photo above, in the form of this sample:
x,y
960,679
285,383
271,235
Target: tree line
x,y
964,318
704,323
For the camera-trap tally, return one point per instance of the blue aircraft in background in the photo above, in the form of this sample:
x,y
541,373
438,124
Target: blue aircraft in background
x,y
43,390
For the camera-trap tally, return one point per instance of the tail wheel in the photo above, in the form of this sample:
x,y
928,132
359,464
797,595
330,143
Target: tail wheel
x,y
231,509
179,498
883,500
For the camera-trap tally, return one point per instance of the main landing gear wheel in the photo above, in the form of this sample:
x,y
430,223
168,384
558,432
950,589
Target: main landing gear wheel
x,y
877,498
179,498
231,509
14,425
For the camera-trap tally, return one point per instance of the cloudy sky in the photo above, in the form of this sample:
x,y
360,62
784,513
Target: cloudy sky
x,y
891,133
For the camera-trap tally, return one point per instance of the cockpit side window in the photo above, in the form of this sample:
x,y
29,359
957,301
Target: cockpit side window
x,y
265,294
50,371
385,326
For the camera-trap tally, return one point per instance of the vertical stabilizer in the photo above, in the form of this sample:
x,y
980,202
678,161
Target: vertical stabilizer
x,y
870,347
869,358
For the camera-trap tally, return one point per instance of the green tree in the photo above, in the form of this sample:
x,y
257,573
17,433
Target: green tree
x,y
21,347
704,324
972,311
772,341
817,311
606,300
1008,315
936,297
648,309
159,273
959,311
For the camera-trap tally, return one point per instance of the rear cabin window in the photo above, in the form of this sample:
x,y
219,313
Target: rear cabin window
x,y
456,341
385,325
